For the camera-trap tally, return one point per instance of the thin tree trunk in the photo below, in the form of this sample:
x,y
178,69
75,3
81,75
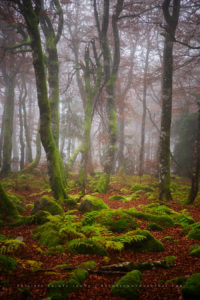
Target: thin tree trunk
x,y
164,153
21,134
141,159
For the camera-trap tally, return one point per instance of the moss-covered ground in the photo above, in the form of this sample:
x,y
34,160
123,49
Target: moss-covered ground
x,y
61,255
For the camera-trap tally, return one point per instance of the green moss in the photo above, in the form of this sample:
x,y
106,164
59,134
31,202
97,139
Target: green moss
x,y
195,251
154,227
7,263
141,187
49,238
150,243
178,280
80,275
128,286
162,220
117,197
91,203
86,246
191,289
90,264
70,203
195,232
60,290
47,204
102,184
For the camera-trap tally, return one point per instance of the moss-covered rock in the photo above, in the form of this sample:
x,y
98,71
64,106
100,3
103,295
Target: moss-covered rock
x,y
91,203
163,220
195,251
117,197
80,275
7,263
48,238
154,227
195,232
128,286
141,187
86,246
150,243
59,290
191,289
47,204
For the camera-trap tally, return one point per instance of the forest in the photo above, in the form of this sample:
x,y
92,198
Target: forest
x,y
99,149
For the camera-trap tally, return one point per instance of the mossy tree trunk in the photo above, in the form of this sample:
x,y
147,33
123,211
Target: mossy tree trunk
x,y
7,208
8,121
31,16
164,151
36,161
196,164
91,94
52,63
111,65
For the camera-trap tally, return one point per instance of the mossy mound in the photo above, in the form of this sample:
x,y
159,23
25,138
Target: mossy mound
x,y
48,238
17,202
91,203
138,187
154,227
195,251
47,204
177,280
128,286
70,203
195,232
59,290
162,220
117,197
86,246
7,263
191,289
115,220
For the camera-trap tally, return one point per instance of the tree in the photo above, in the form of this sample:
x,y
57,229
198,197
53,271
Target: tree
x,y
31,15
7,208
111,60
166,97
196,162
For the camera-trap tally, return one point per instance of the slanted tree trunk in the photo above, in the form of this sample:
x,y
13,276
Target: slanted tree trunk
x,y
7,208
8,122
31,16
164,153
196,164
1,137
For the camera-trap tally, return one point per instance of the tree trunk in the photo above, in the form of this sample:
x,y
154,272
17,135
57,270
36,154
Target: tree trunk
x,y
31,16
141,159
196,165
36,161
164,153
8,123
7,208
21,134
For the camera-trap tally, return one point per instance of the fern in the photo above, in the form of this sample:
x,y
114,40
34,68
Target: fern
x,y
113,245
10,246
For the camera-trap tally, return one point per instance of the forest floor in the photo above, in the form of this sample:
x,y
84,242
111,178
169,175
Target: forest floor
x,y
154,284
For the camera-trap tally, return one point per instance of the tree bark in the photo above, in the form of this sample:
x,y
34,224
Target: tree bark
x,y
31,16
7,208
8,122
196,164
142,146
164,151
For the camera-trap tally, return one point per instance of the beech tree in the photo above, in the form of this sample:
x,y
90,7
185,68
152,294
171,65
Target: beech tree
x,y
31,14
171,20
